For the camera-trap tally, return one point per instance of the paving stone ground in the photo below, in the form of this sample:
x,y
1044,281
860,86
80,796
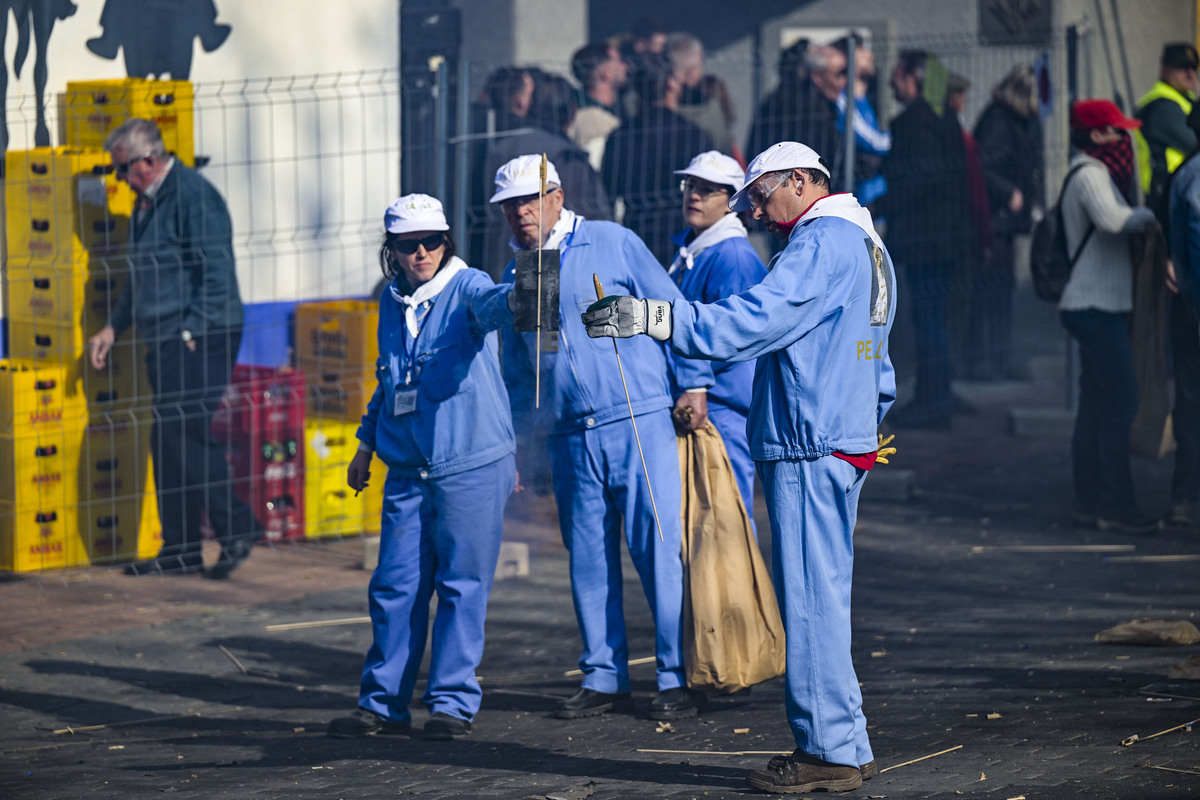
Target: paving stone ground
x,y
116,687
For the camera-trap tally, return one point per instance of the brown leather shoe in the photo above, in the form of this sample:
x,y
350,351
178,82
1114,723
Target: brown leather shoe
x,y
869,770
801,773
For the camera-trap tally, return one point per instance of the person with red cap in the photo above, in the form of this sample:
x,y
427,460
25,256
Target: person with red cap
x,y
1098,219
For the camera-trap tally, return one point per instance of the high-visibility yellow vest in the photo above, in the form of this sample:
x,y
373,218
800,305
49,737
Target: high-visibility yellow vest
x,y
1175,157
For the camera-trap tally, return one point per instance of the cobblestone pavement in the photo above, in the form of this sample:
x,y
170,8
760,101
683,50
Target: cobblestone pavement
x,y
128,688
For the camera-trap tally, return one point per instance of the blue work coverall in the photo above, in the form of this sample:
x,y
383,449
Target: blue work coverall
x,y
597,473
726,268
450,472
818,325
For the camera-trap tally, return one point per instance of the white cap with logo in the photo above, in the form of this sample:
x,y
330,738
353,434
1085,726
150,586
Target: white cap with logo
x,y
715,168
777,157
414,212
521,176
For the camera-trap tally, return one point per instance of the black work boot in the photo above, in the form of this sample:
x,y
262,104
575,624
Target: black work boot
x,y
442,727
800,773
364,723
590,703
678,703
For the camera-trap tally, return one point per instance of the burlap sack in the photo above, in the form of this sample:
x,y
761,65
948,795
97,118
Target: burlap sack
x,y
733,635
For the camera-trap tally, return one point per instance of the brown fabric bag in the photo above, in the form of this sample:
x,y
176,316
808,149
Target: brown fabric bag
x,y
1151,435
733,634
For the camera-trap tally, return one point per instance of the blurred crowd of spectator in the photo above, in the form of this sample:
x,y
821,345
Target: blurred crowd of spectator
x,y
951,200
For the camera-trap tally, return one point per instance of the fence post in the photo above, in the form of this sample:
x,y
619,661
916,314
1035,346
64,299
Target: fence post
x,y
462,193
848,126
441,131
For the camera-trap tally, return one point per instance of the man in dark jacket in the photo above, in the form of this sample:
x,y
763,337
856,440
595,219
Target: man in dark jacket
x,y
928,231
553,110
183,298
640,162
804,106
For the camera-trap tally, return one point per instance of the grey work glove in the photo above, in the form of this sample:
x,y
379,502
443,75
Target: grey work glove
x,y
622,316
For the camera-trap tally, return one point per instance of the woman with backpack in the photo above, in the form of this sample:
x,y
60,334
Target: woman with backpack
x,y
1095,305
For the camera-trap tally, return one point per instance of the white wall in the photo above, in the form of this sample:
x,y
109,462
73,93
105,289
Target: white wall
x,y
298,112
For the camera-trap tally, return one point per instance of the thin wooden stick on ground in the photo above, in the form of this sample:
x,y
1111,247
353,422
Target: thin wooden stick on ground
x,y
320,623
922,758
1136,738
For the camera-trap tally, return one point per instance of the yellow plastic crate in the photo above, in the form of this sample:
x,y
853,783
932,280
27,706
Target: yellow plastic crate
x,y
114,461
85,296
36,394
341,394
91,109
38,538
113,531
330,506
62,202
338,335
39,465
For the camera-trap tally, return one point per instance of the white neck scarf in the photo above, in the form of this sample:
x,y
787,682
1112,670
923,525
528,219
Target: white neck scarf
x,y
845,206
561,230
727,227
425,293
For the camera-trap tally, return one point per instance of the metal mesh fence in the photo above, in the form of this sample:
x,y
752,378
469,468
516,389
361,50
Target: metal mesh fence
x,y
306,166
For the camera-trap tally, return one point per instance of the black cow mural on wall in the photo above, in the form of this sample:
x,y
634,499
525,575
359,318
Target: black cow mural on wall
x,y
36,17
157,35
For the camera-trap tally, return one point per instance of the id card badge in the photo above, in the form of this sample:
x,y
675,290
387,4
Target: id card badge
x,y
404,401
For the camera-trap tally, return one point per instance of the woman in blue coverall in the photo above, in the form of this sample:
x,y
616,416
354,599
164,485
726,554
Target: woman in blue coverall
x,y
715,261
440,421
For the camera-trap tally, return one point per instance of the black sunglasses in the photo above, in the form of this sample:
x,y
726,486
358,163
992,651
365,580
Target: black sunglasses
x,y
409,246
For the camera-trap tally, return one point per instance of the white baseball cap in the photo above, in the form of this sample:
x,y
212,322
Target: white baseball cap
x,y
777,157
715,168
521,176
414,212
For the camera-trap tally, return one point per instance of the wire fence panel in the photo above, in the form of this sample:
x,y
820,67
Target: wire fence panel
x,y
306,165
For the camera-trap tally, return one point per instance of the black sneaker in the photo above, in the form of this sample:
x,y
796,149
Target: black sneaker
x,y
444,728
678,703
1127,523
589,703
364,723
167,565
231,558
1180,515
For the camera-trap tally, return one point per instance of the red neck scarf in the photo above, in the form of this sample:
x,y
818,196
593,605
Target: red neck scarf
x,y
1118,158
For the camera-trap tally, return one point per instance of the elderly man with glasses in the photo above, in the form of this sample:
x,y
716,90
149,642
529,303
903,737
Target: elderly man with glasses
x,y
182,296
605,491
818,324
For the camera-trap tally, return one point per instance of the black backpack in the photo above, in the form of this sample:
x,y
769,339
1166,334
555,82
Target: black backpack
x,y
1049,259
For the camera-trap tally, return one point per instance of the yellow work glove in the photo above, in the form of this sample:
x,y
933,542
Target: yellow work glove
x,y
883,451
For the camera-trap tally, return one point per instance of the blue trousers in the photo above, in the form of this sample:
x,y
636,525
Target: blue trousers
x,y
599,485
813,506
444,535
732,427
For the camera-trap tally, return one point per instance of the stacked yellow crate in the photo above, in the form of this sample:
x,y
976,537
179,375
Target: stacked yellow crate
x,y
90,109
39,444
335,349
68,220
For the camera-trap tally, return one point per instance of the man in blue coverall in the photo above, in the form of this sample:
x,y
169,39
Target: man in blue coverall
x,y
818,325
598,478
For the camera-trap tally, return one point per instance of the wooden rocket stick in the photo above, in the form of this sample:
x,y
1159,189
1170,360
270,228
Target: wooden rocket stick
x,y
632,420
537,368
